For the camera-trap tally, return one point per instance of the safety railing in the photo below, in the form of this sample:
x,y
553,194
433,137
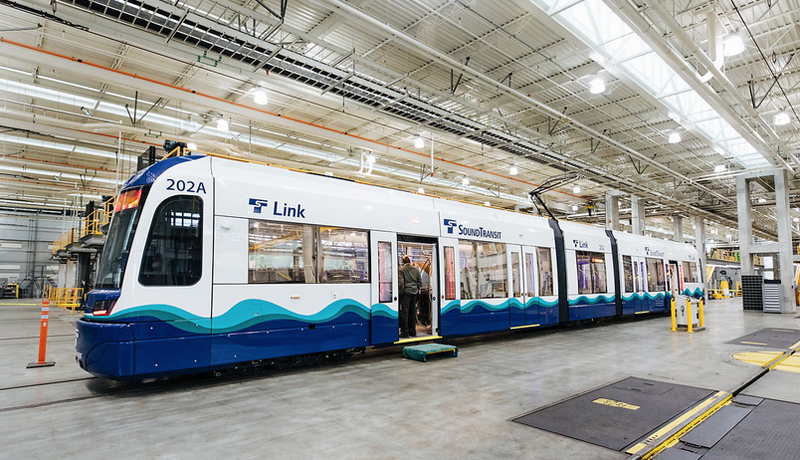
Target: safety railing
x,y
93,224
66,298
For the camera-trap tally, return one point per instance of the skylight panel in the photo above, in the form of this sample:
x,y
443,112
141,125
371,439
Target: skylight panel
x,y
599,27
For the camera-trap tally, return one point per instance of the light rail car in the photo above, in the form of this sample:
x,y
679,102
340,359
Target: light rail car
x,y
213,263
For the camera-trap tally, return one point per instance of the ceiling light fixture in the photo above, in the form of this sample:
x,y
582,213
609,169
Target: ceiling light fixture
x,y
732,45
486,203
421,190
574,208
720,168
597,86
674,137
781,118
795,219
222,124
419,143
762,200
260,96
576,189
465,181
513,171
371,159
191,146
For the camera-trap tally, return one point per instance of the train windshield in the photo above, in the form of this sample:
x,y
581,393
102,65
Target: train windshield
x,y
120,237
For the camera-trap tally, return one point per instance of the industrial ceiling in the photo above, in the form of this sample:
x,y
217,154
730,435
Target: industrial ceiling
x,y
635,98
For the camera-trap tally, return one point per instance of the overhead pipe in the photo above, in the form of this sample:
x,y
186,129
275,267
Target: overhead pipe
x,y
103,73
522,97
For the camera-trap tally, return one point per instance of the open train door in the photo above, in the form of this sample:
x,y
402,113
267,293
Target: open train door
x,y
385,312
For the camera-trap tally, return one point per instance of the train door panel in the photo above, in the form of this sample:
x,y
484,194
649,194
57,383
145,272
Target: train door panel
x,y
516,307
449,297
530,286
385,296
547,286
640,285
173,279
674,280
423,255
628,285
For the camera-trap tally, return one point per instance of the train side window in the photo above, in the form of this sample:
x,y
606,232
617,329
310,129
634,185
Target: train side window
x,y
591,272
516,279
345,258
492,270
627,266
484,270
173,255
656,278
545,271
530,269
385,271
280,253
690,272
449,273
468,266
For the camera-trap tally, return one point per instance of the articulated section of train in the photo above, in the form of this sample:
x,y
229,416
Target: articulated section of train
x,y
211,263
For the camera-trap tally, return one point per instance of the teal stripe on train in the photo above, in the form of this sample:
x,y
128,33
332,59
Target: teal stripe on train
x,y
696,293
646,295
241,316
584,300
380,309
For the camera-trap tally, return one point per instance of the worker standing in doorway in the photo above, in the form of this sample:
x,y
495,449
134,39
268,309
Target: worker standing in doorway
x,y
410,281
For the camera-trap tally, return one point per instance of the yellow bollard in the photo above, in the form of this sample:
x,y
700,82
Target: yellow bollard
x,y
689,318
672,313
702,321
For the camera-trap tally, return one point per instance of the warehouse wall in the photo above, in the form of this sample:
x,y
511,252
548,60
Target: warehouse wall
x,y
26,244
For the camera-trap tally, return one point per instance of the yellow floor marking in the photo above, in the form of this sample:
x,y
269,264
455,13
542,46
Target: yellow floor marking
x,y
523,327
612,403
790,364
753,343
419,339
704,407
759,358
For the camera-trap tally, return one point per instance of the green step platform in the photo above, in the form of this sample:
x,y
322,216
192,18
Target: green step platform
x,y
421,352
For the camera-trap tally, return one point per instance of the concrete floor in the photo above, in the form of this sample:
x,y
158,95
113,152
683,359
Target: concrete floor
x,y
377,406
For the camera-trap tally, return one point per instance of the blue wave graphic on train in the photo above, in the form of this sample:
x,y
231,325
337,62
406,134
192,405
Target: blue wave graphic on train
x,y
645,296
697,293
245,315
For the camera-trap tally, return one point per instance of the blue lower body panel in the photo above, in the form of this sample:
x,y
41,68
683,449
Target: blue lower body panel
x,y
598,307
236,347
105,350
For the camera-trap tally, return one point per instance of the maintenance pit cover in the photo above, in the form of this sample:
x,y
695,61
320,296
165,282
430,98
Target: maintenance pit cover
x,y
770,337
616,415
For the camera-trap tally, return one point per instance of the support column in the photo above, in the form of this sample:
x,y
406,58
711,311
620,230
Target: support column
x,y
637,215
677,228
700,244
785,240
783,248
612,210
72,271
745,224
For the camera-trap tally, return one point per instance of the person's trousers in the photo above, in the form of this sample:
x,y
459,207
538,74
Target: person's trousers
x,y
408,314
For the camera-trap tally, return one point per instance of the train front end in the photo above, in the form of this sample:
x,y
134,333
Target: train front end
x,y
149,313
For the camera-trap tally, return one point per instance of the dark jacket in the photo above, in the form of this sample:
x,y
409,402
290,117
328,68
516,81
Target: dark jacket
x,y
410,280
